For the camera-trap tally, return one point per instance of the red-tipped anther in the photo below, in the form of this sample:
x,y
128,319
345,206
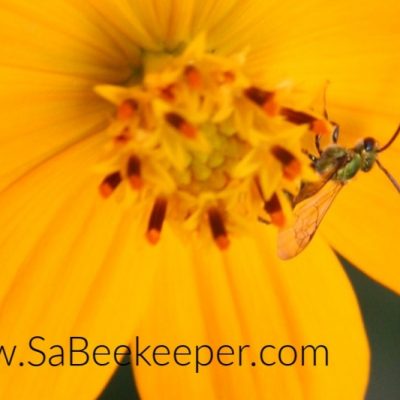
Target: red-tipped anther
x,y
180,124
133,170
218,229
264,99
193,77
274,209
109,184
127,109
168,93
123,137
297,117
156,220
291,166
321,127
228,77
153,236
318,126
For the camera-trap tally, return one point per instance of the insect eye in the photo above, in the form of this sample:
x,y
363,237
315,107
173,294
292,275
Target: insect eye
x,y
369,144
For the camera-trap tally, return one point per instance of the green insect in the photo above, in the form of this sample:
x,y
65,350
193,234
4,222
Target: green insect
x,y
336,165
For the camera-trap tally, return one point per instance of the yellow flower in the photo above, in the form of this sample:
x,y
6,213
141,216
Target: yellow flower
x,y
159,103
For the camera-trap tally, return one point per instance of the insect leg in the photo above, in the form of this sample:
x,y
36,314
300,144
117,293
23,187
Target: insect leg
x,y
335,133
318,143
264,221
290,196
313,158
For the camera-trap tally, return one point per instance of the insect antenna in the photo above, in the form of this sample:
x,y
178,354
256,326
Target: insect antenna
x,y
387,173
326,115
392,139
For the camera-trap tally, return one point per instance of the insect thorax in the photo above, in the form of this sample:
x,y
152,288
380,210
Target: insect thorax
x,y
350,169
345,162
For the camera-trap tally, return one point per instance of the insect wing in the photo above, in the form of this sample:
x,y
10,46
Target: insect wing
x,y
307,216
310,189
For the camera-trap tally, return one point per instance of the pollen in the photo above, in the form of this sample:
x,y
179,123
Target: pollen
x,y
321,127
202,146
180,124
110,183
156,220
291,166
274,209
193,77
134,172
127,109
218,229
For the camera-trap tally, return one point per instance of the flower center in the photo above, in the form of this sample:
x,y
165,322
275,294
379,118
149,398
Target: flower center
x,y
204,145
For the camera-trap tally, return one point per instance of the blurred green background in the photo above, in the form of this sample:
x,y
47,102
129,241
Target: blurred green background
x,y
381,310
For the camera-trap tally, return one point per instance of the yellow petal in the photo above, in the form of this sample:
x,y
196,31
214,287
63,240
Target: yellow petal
x,y
52,56
60,37
70,267
247,296
356,49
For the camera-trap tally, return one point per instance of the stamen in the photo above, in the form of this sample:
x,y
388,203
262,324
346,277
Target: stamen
x,y
110,183
218,229
123,137
297,117
127,109
321,127
318,126
180,124
291,166
133,171
228,77
193,77
168,93
156,220
264,99
274,209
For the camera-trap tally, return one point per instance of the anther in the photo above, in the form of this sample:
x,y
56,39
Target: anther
x,y
218,229
180,124
123,137
127,109
156,220
109,184
225,77
193,77
264,99
168,93
321,127
274,209
297,117
133,170
291,166
228,77
318,126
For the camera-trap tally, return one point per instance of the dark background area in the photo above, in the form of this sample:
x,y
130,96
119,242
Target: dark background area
x,y
381,310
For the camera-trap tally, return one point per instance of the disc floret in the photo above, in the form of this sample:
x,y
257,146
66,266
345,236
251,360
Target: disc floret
x,y
202,143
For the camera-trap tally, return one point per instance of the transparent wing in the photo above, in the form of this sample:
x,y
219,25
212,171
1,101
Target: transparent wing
x,y
309,189
308,214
